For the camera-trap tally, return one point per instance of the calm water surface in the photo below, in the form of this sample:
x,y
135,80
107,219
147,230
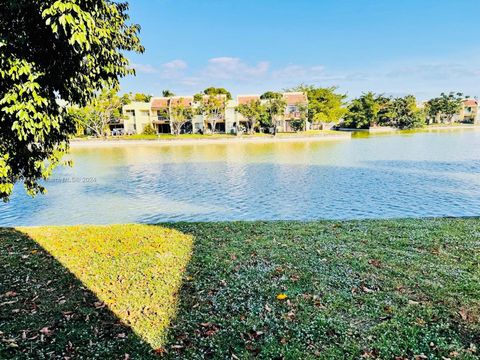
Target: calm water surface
x,y
408,175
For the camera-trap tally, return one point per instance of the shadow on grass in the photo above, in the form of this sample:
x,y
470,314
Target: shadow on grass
x,y
46,312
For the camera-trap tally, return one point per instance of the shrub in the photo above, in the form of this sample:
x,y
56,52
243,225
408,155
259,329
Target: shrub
x,y
297,124
149,130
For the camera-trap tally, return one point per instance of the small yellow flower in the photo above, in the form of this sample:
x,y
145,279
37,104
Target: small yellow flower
x,y
282,296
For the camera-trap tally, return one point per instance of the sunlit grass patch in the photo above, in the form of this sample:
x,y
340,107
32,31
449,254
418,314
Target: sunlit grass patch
x,y
134,270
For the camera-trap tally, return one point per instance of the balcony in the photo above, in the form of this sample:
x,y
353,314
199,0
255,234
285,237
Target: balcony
x,y
160,119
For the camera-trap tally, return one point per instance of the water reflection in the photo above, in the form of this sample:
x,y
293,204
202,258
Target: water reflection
x,y
421,174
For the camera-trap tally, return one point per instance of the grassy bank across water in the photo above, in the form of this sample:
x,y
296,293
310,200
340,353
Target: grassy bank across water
x,y
310,135
329,289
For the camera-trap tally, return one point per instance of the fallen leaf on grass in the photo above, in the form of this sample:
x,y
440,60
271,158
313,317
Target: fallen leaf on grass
x,y
420,357
367,290
99,304
46,331
282,296
294,278
375,263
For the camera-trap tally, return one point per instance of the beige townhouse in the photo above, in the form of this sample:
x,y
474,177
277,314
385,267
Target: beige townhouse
x,y
137,115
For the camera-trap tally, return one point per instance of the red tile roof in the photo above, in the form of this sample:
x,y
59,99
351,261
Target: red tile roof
x,y
163,102
470,102
245,99
184,100
160,103
294,98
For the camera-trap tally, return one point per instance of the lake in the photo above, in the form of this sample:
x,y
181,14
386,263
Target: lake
x,y
418,174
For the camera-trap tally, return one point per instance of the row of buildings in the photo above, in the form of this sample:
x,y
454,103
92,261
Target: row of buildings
x,y
137,115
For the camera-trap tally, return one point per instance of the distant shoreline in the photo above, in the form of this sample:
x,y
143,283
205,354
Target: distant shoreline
x,y
77,143
231,139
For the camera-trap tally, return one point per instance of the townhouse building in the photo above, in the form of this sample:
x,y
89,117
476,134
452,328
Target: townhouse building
x,y
138,115
469,111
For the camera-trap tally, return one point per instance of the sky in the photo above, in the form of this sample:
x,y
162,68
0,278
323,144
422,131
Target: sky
x,y
395,47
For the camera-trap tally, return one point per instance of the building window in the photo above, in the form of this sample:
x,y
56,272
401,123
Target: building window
x,y
292,109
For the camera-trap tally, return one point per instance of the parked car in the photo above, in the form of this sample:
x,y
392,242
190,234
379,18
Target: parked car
x,y
117,132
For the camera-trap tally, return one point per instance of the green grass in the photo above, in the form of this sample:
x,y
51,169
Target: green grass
x,y
107,291
406,289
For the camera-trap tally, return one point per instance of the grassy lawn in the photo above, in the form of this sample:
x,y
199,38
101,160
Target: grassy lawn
x,y
405,289
218,136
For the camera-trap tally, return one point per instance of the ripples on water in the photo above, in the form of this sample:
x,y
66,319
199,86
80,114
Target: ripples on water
x,y
424,174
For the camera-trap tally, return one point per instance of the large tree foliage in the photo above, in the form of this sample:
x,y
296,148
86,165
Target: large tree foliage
x,y
252,112
444,108
218,91
362,112
324,104
275,106
402,113
372,110
50,50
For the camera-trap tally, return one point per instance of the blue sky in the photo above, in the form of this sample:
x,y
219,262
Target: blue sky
x,y
396,47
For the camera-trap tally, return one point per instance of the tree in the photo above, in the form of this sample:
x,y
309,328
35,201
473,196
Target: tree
x,y
167,93
99,112
252,111
142,97
50,50
444,108
217,91
370,110
275,106
362,112
179,114
324,104
212,107
406,114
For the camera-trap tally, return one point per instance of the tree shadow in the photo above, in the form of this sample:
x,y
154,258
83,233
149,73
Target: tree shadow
x,y
46,311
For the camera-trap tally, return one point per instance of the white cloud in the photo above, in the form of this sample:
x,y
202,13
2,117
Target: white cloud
x,y
175,65
230,68
145,68
174,69
318,74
